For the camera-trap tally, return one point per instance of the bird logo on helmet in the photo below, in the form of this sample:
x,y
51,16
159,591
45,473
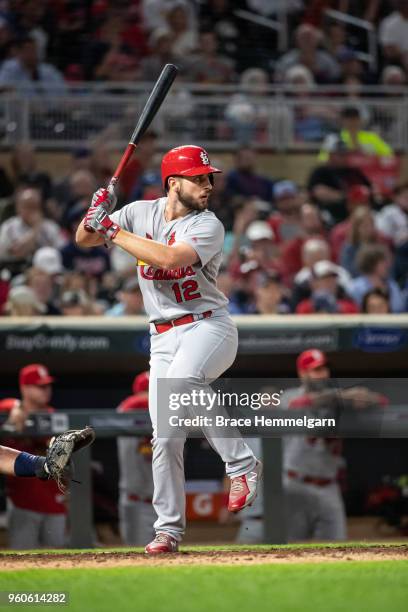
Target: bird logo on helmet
x,y
187,160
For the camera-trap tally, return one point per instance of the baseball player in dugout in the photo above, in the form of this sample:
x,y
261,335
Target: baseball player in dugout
x,y
178,244
37,511
136,513
312,466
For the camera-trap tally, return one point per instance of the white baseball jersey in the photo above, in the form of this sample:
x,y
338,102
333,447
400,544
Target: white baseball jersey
x,y
310,455
169,294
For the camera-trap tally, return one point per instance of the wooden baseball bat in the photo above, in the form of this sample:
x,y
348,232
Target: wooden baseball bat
x,y
154,102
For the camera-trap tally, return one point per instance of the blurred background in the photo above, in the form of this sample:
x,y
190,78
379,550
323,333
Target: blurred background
x,y
303,105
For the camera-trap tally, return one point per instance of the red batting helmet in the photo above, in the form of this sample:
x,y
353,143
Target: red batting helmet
x,y
141,383
187,160
311,359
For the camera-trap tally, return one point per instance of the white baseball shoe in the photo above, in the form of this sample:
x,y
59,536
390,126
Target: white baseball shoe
x,y
162,543
244,489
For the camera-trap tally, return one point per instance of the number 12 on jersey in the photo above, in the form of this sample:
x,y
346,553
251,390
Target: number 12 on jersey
x,y
184,292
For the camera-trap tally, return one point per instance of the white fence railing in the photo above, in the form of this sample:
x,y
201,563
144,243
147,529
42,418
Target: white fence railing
x,y
219,118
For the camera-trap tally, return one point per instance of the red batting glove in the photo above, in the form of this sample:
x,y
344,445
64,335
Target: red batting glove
x,y
98,220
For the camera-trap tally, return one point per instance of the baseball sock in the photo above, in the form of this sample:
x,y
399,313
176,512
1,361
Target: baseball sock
x,y
27,465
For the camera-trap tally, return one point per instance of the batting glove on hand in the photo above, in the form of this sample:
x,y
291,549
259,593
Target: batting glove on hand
x,y
105,197
98,220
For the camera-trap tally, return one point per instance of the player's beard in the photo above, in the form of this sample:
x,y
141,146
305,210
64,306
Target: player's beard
x,y
191,203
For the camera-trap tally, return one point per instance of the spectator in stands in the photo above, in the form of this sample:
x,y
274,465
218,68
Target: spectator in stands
x,y
286,222
130,301
37,512
76,304
356,138
28,230
42,285
249,112
154,12
28,75
361,231
324,67
119,44
184,35
310,226
312,120
325,292
357,196
80,160
374,263
243,180
262,246
218,16
313,251
91,262
160,44
271,296
376,301
22,302
329,183
393,34
24,167
208,66
392,220
81,187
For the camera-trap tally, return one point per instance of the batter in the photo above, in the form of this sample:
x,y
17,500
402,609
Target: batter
x,y
178,244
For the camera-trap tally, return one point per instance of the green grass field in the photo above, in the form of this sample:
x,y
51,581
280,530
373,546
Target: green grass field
x,y
355,586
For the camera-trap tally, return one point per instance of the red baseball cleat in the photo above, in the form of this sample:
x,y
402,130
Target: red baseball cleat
x,y
244,489
162,543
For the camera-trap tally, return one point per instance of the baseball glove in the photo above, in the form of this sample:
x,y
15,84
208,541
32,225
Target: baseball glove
x,y
57,462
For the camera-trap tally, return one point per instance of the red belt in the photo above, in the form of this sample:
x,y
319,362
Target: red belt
x,y
166,325
137,498
319,482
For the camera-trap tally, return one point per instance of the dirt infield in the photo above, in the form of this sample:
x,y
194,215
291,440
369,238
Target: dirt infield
x,y
247,556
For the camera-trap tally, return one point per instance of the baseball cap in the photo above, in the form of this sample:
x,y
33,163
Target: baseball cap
x,y
259,230
35,374
310,360
324,268
141,382
284,189
49,260
25,295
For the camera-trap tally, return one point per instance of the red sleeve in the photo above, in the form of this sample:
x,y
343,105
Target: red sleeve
x,y
348,307
305,307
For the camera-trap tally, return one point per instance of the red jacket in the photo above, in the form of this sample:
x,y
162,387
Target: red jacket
x,y
31,493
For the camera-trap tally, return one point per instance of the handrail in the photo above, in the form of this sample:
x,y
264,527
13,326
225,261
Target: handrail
x,y
370,57
278,26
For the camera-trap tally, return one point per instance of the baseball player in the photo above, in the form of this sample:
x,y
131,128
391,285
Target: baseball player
x,y
311,465
178,245
37,514
136,513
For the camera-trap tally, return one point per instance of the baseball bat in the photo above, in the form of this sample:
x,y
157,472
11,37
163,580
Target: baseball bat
x,y
154,102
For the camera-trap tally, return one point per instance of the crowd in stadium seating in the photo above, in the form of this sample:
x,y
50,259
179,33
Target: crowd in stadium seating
x,y
326,247
339,243
43,42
